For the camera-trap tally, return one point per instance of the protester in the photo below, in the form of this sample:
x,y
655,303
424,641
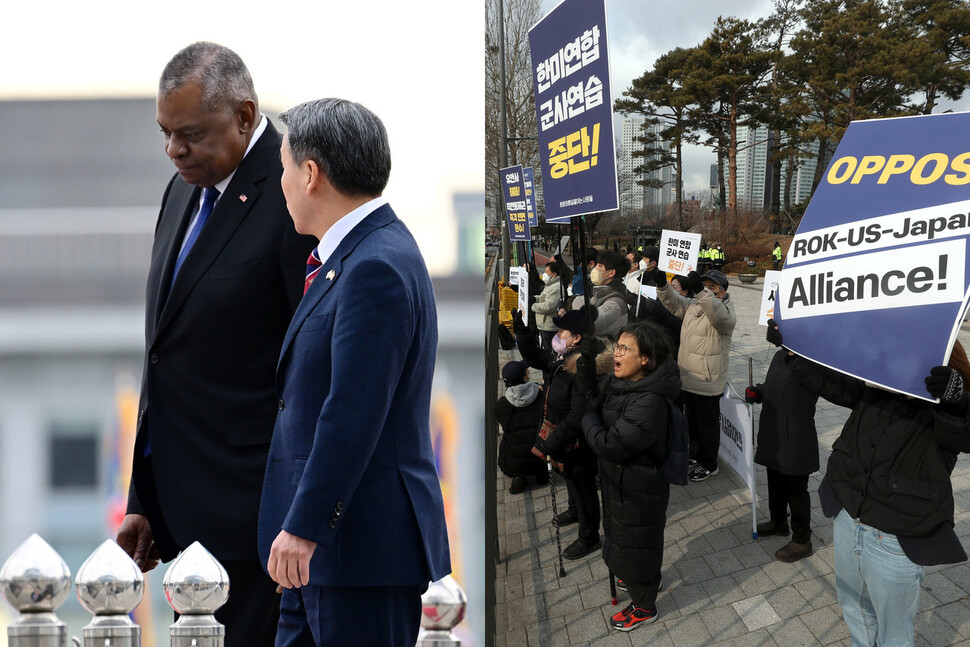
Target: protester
x,y
677,283
776,256
888,486
626,427
643,308
546,304
352,515
608,294
225,276
705,343
564,405
788,448
632,278
519,412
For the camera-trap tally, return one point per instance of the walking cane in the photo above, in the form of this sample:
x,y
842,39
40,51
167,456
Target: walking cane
x,y
555,515
613,599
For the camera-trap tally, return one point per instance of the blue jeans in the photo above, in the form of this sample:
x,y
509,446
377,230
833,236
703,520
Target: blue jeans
x,y
878,586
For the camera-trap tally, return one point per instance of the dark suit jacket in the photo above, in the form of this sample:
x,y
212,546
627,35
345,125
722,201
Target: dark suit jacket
x,y
212,340
351,466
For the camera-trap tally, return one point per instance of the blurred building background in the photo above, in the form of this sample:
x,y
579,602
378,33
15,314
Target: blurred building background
x,y
80,184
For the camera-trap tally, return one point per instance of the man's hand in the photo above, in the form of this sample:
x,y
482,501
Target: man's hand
x,y
289,560
135,538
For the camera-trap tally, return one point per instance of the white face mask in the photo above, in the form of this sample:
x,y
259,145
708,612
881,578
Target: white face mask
x,y
546,278
643,264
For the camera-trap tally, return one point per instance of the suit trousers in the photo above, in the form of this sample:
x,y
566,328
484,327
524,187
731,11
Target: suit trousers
x,y
704,423
252,611
788,491
389,616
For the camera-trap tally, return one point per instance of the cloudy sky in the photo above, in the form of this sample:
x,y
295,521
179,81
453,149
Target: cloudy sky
x,y
423,80
640,32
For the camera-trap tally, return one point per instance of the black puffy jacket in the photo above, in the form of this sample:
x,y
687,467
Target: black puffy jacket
x,y
891,465
787,440
629,435
519,412
563,401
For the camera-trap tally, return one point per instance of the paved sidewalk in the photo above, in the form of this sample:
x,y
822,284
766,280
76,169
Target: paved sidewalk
x,y
720,587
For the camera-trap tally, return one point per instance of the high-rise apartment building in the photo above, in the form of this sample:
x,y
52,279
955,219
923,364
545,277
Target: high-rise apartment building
x,y
634,195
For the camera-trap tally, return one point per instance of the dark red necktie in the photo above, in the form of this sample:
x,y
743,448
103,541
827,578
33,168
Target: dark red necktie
x,y
313,265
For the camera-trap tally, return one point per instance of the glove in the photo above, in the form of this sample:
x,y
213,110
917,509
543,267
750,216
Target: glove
x,y
517,323
659,277
590,346
593,405
694,282
773,335
753,394
945,383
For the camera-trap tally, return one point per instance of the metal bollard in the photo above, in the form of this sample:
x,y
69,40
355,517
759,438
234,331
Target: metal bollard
x,y
110,585
35,581
442,609
196,585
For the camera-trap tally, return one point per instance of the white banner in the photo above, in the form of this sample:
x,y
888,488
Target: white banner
x,y
737,444
897,278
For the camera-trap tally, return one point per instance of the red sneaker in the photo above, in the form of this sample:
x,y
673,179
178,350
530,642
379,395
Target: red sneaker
x,y
632,617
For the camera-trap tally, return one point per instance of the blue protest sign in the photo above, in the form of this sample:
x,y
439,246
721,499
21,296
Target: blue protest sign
x,y
513,190
530,195
574,110
876,280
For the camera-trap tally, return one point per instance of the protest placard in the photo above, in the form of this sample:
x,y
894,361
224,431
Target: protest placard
x,y
574,110
875,283
767,310
516,206
528,182
737,443
678,251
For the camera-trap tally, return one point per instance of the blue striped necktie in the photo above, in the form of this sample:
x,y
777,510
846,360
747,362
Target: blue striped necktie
x,y
209,197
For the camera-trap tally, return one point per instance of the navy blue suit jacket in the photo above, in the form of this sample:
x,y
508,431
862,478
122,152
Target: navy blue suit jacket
x,y
351,464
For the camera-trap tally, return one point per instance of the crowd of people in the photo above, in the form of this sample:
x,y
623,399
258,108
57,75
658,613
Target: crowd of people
x,y
643,342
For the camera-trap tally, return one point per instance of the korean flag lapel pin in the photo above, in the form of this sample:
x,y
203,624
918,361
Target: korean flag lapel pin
x,y
330,275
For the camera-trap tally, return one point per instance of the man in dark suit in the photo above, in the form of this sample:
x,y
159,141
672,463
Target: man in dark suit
x,y
351,520
226,274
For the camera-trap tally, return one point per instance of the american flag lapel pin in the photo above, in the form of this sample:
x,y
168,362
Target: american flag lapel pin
x,y
330,275
242,197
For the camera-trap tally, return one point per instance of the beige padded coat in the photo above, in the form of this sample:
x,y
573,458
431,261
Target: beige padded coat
x,y
705,338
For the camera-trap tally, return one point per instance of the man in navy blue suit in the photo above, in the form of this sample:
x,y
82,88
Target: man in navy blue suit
x,y
351,521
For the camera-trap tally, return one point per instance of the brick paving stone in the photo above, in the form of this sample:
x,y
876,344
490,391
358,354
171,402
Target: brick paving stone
x,y
724,590
548,633
585,625
781,573
754,581
693,571
613,639
758,638
723,563
793,633
819,591
723,622
787,602
934,630
688,631
957,615
826,624
756,612
943,589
